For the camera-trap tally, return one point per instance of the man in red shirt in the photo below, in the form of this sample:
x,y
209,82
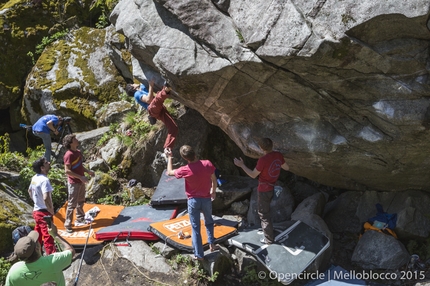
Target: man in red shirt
x,y
200,188
75,171
268,167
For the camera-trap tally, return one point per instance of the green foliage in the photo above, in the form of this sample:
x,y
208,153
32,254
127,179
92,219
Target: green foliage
x,y
125,140
239,35
113,127
122,198
103,20
130,118
48,40
125,97
5,265
108,200
56,175
170,108
251,277
17,162
180,259
142,128
138,129
31,55
154,248
12,161
192,268
202,276
105,138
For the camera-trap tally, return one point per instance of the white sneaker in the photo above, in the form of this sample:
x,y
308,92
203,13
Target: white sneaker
x,y
80,223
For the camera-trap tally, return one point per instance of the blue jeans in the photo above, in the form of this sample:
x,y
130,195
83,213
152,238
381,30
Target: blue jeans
x,y
195,206
46,138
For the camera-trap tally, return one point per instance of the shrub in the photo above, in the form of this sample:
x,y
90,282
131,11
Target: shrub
x,y
12,161
5,265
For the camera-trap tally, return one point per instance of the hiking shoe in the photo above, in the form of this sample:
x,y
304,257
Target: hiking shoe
x,y
69,229
80,223
152,120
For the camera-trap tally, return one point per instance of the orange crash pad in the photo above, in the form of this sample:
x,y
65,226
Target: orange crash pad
x,y
169,230
78,237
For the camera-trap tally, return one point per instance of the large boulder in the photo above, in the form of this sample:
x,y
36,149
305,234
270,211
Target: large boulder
x,y
341,87
235,189
75,77
309,211
280,208
25,30
376,250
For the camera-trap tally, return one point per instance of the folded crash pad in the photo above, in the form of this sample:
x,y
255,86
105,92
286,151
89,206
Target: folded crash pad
x,y
170,191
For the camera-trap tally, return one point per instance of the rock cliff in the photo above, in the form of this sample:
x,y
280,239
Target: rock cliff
x,y
342,87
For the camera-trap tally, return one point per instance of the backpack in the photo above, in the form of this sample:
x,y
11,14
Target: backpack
x,y
19,232
367,226
382,222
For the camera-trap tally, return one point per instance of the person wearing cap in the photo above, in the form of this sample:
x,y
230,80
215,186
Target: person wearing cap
x,y
40,191
33,269
42,129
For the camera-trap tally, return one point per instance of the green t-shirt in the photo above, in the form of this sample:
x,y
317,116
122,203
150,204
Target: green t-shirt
x,y
45,269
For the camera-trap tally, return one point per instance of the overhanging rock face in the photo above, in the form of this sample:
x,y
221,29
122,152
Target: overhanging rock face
x,y
342,87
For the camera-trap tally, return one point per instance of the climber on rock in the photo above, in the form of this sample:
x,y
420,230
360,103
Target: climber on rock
x,y
156,109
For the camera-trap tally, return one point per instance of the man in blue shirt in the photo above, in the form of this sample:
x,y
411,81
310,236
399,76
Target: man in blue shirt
x,y
41,129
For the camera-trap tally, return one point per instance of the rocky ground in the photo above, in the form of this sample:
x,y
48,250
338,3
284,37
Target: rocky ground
x,y
106,265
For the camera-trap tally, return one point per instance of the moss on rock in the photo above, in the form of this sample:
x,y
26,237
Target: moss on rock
x,y
23,26
101,185
10,218
77,74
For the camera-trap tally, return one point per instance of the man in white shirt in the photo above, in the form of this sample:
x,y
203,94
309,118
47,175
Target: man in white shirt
x,y
40,191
